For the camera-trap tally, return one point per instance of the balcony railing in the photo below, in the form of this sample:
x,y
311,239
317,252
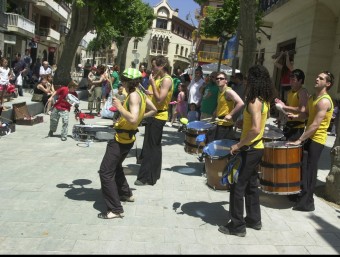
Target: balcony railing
x,y
270,5
53,7
210,57
83,43
19,24
49,34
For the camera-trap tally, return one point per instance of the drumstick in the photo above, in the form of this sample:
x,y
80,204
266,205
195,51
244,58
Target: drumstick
x,y
221,120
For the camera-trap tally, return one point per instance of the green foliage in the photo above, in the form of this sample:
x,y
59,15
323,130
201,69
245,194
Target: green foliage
x,y
200,2
220,20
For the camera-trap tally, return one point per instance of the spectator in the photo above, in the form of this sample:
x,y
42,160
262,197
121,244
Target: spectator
x,y
61,109
194,94
44,70
19,69
209,93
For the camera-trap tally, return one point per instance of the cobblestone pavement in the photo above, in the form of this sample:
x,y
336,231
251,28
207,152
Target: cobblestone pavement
x,y
50,197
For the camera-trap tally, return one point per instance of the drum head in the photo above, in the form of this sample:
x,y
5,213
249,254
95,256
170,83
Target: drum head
x,y
199,125
280,144
219,148
71,99
272,134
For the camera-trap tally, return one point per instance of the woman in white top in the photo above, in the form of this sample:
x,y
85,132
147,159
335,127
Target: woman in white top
x,y
5,75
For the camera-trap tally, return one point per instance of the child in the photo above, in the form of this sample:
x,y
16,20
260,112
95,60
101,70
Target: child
x,y
192,114
181,103
5,75
62,109
120,96
91,77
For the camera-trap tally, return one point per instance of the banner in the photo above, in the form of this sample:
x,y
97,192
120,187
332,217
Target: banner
x,y
230,50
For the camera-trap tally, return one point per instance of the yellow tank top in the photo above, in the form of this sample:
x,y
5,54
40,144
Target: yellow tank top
x,y
320,134
224,107
247,124
124,137
293,100
162,108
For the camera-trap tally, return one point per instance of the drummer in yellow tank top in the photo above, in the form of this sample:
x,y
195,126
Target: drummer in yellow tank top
x,y
319,112
245,191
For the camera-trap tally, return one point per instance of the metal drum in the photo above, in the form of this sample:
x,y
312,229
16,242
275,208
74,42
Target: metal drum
x,y
72,100
272,134
93,132
194,129
217,157
280,169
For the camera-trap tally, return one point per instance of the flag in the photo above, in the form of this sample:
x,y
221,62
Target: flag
x,y
230,50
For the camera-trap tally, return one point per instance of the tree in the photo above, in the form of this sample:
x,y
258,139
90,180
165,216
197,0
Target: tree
x,y
110,18
137,21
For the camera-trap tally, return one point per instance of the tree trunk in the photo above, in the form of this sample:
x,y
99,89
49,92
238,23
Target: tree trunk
x,y
248,9
122,52
81,23
332,188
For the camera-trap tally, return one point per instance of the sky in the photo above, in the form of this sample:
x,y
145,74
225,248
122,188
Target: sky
x,y
184,7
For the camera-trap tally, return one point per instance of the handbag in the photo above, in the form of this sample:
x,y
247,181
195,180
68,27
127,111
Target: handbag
x,y
37,98
18,81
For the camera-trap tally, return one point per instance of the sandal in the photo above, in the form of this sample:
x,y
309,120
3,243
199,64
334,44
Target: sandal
x,y
110,215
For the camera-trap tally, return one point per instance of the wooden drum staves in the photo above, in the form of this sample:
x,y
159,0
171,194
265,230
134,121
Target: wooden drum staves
x,y
280,169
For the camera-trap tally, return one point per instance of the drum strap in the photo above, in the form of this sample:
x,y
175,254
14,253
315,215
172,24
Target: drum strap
x,y
130,132
281,166
248,147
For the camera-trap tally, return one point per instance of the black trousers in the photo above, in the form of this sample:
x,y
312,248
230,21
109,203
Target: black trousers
x,y
309,175
246,188
112,177
292,134
151,155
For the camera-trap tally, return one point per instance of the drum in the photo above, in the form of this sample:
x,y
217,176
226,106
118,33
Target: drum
x,y
194,129
72,100
217,157
272,134
92,132
280,169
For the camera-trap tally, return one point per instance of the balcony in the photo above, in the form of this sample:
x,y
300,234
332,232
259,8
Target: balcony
x,y
48,34
268,6
83,43
210,57
20,25
181,58
52,9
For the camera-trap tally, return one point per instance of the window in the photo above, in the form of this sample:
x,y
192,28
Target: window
x,y
160,46
135,44
182,48
165,46
154,44
186,52
161,23
177,47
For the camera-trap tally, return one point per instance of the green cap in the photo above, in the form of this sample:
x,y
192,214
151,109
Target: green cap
x,y
132,73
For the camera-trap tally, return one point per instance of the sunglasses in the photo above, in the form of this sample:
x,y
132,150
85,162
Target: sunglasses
x,y
219,78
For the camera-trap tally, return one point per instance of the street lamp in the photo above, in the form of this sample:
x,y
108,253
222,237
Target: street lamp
x,y
222,40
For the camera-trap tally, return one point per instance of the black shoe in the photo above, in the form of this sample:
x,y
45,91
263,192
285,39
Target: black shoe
x,y
63,138
140,183
229,231
299,208
293,198
50,134
256,226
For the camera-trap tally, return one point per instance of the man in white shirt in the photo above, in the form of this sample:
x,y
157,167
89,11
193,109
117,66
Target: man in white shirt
x,y
194,94
45,70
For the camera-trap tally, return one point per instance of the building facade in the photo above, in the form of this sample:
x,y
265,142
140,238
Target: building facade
x,y
309,29
169,36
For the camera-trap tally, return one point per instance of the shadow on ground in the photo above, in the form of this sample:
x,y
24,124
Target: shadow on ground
x,y
211,213
79,192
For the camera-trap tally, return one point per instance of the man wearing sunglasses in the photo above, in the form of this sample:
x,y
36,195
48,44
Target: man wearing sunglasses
x,y
229,103
319,112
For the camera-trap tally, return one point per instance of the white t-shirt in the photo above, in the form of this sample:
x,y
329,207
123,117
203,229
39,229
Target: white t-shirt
x,y
44,71
195,95
4,75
